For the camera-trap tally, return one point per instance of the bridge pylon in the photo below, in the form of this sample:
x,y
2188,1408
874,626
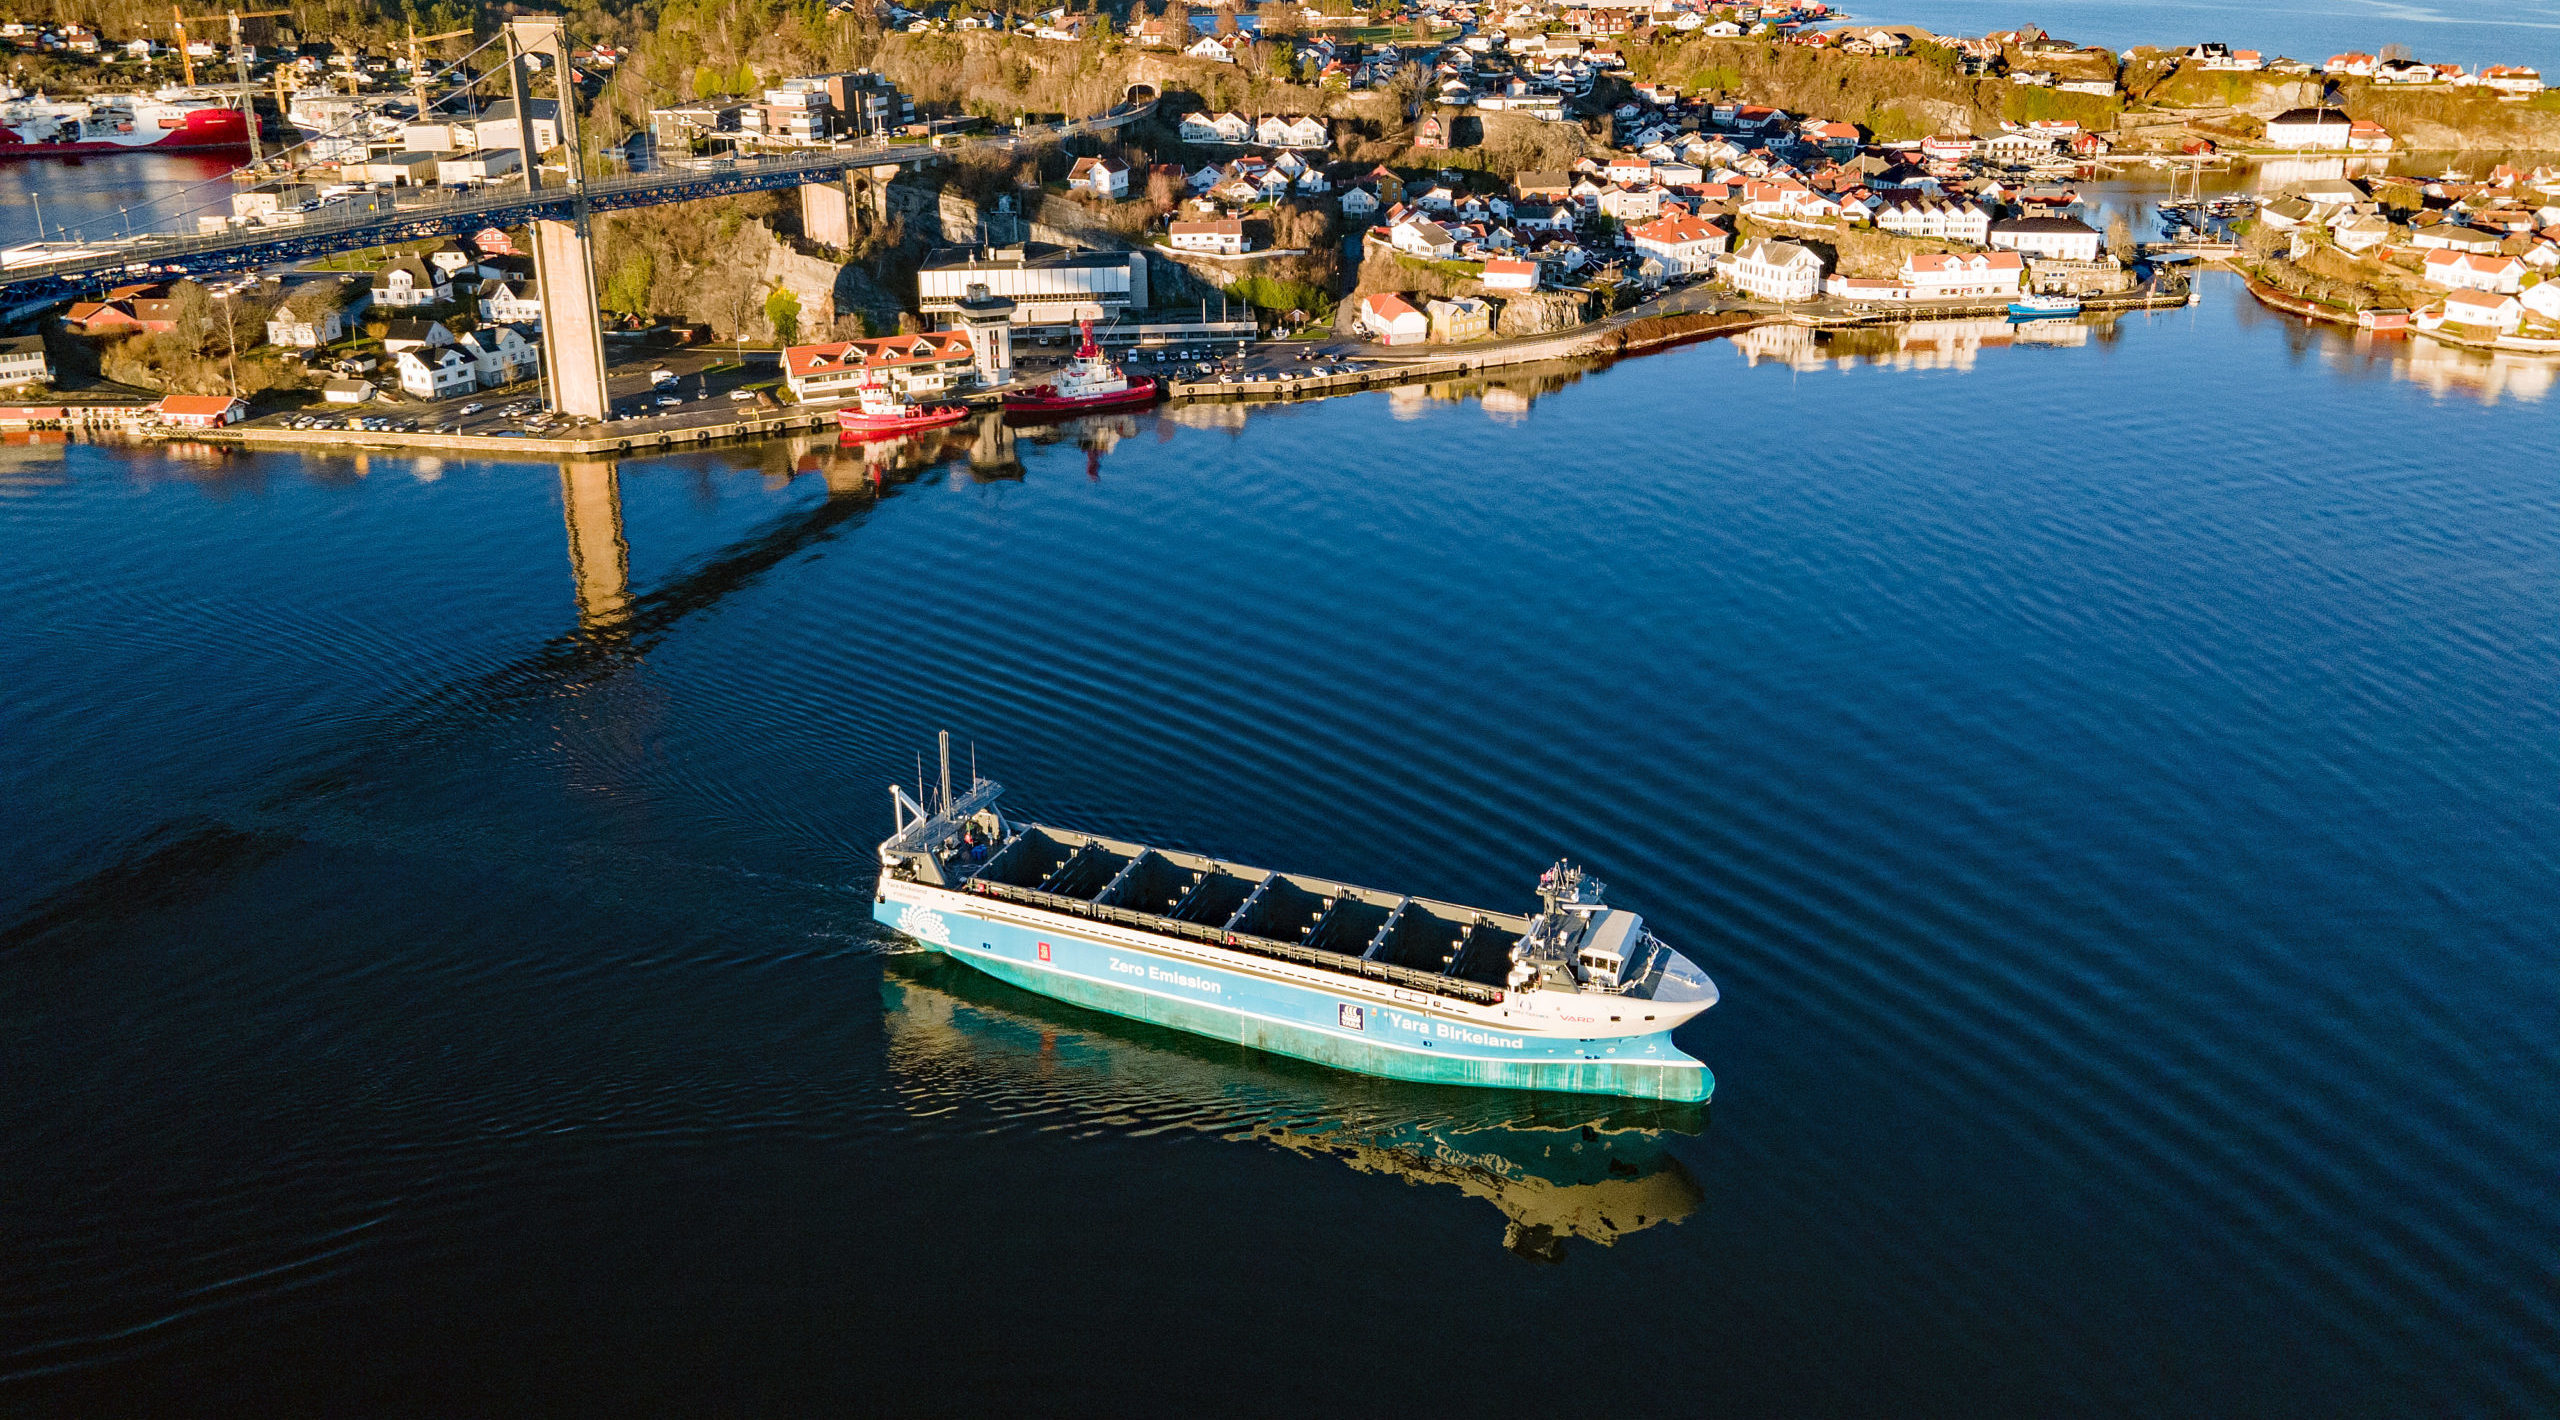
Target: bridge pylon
x,y
563,263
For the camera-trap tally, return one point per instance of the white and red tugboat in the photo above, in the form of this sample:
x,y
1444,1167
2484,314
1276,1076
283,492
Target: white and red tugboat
x,y
1089,385
883,412
33,126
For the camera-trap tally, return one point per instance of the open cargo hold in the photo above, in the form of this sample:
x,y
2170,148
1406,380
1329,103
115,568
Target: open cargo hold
x,y
1423,945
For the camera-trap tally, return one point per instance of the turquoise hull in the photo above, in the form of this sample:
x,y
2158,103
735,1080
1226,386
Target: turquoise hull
x,y
1346,1030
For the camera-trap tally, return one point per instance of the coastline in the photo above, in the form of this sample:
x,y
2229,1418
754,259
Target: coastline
x,y
2293,305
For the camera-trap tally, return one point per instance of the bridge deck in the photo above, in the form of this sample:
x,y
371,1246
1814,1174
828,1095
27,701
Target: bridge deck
x,y
691,180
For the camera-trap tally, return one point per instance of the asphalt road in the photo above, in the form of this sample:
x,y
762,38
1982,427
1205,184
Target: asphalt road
x,y
699,395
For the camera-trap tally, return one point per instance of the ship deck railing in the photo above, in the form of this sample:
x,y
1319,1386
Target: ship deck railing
x,y
1431,982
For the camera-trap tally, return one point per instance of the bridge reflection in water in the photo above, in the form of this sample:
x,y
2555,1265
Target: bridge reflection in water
x,y
1556,1167
599,557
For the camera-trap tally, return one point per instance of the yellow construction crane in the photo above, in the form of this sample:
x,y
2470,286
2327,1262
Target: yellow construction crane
x,y
417,74
187,62
239,61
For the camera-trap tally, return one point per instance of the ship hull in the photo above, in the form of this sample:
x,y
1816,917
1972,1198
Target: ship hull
x,y
1347,1023
854,421
202,130
1050,406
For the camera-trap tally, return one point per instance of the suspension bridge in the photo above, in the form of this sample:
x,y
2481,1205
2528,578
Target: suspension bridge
x,y
556,214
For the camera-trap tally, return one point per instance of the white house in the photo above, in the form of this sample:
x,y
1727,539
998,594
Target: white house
x,y
1953,275
1358,202
402,335
437,372
1514,276
1775,271
305,332
1423,238
1684,243
22,361
1103,177
454,261
509,304
2454,236
2062,238
2471,271
1222,236
411,282
2482,309
2542,299
500,355
2014,148
1212,48
2310,128
1390,319
1948,220
1632,204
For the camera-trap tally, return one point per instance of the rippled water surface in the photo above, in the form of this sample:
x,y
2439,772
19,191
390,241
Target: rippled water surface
x,y
2468,32
2110,771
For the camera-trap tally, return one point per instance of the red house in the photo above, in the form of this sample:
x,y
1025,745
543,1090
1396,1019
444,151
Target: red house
x,y
200,411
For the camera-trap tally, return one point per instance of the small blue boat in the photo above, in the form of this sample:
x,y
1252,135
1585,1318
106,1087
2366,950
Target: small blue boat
x,y
2043,307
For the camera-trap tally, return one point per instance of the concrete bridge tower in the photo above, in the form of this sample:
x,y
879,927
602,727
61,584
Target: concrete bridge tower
x,y
563,265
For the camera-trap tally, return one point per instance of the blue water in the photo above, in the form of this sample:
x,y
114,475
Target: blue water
x,y
2112,783
2468,32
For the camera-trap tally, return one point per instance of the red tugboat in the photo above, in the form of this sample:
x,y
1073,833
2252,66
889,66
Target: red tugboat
x,y
1089,385
883,412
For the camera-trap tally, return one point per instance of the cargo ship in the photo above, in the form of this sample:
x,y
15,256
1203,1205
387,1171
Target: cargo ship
x,y
1576,997
39,127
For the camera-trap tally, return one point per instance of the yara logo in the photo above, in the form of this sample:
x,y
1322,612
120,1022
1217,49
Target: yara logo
x,y
924,924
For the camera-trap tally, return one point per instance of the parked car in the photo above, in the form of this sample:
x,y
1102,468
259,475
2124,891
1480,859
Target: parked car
x,y
473,408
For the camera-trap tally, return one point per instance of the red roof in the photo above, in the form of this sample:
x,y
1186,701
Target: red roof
x,y
1672,231
204,404
886,352
1388,304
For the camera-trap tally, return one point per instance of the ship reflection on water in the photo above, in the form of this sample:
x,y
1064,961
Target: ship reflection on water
x,y
1556,1167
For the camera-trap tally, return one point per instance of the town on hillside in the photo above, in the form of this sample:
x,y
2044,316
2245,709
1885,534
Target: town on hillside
x,y
1400,174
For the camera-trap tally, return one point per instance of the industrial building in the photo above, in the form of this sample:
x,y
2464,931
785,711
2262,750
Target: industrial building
x,y
1051,287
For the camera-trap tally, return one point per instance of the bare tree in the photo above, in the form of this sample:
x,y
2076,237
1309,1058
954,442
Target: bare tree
x,y
2120,237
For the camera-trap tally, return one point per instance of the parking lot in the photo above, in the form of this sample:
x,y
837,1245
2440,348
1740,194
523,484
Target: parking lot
x,y
651,392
